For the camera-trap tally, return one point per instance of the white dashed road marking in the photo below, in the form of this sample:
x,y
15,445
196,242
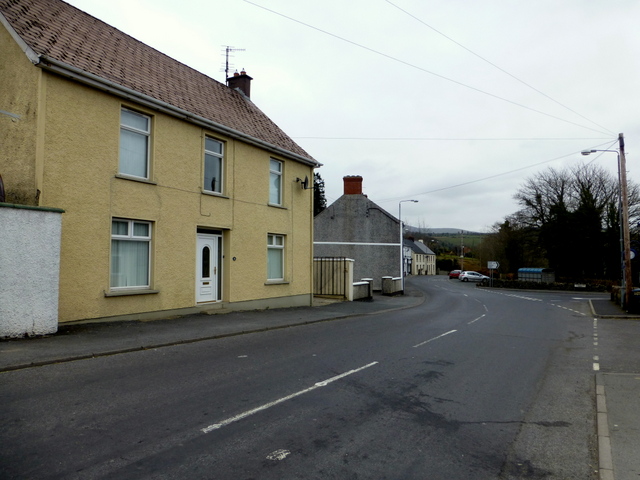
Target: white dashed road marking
x,y
248,413
473,321
434,338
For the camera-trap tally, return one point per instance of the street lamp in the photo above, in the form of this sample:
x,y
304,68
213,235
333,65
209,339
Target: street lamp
x,y
401,246
625,243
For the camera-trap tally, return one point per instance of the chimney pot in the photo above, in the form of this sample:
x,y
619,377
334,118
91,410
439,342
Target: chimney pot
x,y
352,185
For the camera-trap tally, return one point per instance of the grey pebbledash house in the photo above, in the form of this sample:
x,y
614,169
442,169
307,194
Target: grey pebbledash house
x,y
355,227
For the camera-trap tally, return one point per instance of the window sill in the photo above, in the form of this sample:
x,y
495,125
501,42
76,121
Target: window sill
x,y
135,179
213,194
277,206
123,293
276,282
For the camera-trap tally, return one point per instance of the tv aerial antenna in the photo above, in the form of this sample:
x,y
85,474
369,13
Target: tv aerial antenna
x,y
228,52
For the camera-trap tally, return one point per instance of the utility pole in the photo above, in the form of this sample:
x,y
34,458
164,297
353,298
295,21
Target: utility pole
x,y
628,279
626,286
462,250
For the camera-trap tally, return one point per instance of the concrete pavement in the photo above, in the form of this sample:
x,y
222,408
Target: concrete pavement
x,y
618,406
617,395
80,340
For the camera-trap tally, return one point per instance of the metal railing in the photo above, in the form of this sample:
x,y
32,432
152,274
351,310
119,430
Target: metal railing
x,y
330,276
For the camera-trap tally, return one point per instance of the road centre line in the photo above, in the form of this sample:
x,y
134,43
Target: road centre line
x,y
434,338
248,413
473,321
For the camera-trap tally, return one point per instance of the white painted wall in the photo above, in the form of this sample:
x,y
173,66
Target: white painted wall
x,y
29,270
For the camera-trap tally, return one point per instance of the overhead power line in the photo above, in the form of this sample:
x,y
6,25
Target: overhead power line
x,y
406,195
495,66
438,139
395,59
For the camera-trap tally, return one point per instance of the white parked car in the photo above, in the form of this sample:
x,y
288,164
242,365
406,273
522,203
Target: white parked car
x,y
468,276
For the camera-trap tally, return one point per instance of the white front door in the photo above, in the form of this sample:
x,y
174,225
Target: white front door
x,y
207,268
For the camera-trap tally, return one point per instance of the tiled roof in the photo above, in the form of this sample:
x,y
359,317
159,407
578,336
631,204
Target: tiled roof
x,y
417,247
56,30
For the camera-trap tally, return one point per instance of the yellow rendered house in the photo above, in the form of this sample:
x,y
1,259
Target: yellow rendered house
x,y
179,194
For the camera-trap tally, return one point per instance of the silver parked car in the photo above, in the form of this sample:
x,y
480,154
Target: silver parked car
x,y
468,276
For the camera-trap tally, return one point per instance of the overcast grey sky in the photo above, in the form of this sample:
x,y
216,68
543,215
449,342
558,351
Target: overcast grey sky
x,y
452,103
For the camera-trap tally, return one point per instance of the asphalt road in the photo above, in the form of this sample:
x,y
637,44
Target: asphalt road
x,y
472,384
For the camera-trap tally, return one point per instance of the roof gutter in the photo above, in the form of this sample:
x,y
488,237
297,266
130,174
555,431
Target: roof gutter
x,y
103,84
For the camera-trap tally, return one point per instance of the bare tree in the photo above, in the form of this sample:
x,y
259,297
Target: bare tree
x,y
574,216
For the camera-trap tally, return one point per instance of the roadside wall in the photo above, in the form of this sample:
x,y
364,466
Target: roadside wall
x,y
29,270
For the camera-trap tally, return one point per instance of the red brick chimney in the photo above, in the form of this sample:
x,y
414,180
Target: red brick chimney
x,y
241,81
352,185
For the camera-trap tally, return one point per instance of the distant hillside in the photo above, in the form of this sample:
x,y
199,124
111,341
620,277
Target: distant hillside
x,y
442,231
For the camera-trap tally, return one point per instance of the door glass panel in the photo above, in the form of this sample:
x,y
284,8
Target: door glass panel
x,y
206,262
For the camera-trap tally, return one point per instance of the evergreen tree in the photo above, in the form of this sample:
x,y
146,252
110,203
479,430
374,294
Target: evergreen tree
x,y
319,200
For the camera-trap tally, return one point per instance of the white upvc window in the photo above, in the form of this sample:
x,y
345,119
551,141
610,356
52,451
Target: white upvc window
x,y
135,135
275,182
130,253
275,257
213,165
